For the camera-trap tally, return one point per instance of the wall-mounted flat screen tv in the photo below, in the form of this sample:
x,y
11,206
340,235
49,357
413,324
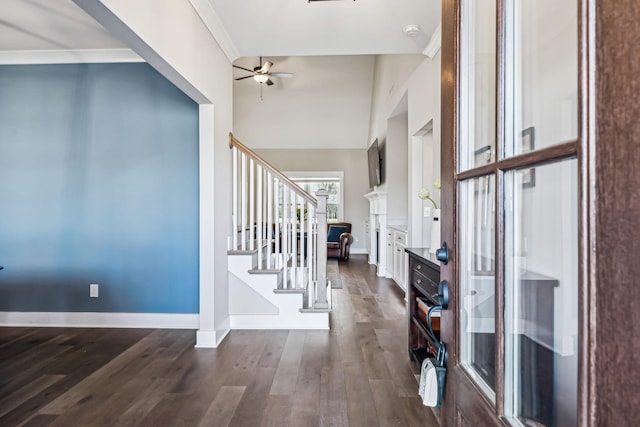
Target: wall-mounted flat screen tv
x,y
375,164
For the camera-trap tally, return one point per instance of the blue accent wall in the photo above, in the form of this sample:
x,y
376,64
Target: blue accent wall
x,y
98,184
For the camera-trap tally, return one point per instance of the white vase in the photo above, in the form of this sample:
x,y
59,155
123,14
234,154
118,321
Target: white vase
x,y
435,232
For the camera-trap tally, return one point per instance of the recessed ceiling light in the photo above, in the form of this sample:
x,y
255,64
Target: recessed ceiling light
x,y
412,30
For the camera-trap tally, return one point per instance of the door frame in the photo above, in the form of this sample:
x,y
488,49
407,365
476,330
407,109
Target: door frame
x,y
609,214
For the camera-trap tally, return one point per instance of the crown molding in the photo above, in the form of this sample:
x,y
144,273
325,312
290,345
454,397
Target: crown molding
x,y
213,23
434,43
17,57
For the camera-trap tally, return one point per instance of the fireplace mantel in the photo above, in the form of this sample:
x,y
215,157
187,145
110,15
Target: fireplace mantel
x,y
378,230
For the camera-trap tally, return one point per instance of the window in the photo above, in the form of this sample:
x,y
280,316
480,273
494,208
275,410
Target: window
x,y
330,181
518,210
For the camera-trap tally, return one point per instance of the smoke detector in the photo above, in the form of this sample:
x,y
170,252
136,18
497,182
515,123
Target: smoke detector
x,y
412,30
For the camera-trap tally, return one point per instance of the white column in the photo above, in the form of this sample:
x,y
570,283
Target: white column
x,y
206,335
378,220
321,284
372,239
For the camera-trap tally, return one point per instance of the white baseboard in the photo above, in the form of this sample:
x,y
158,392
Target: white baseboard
x,y
266,321
358,251
212,338
100,320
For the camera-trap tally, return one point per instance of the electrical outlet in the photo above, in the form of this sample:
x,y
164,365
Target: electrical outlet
x,y
427,211
93,290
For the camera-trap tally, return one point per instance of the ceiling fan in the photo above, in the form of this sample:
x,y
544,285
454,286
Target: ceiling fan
x,y
262,73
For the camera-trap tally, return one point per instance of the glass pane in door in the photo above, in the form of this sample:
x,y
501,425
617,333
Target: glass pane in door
x,y
477,280
541,295
478,83
545,73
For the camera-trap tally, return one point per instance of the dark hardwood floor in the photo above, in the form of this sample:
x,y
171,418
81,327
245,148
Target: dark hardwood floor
x,y
356,374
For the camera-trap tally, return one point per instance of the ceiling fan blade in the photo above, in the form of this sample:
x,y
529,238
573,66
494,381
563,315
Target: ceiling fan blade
x,y
266,67
269,82
242,78
242,68
285,75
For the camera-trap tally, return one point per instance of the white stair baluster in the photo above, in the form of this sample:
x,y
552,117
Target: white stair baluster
x,y
269,228
270,209
321,282
310,242
301,245
234,195
252,205
243,202
277,199
260,207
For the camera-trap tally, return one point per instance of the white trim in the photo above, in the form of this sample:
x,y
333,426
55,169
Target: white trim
x,y
358,251
206,336
100,320
77,56
434,43
280,321
213,23
210,339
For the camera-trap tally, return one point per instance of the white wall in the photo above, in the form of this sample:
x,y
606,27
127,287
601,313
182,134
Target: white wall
x,y
424,151
316,121
391,76
172,38
325,105
395,168
418,78
356,180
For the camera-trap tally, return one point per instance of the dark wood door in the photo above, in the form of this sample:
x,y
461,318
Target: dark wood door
x,y
537,143
540,178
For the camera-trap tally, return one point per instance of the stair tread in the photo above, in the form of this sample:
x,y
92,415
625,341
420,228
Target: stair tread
x,y
239,251
315,310
296,279
271,264
307,303
289,291
265,270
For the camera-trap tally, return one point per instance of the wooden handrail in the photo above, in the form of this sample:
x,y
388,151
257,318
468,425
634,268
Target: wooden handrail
x,y
233,142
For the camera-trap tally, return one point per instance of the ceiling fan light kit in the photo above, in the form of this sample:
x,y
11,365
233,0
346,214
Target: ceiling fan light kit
x,y
262,73
411,30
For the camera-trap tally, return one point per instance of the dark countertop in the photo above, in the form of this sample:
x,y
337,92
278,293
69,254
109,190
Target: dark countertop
x,y
424,255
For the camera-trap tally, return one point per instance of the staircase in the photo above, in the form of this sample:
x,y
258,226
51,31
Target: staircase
x,y
277,254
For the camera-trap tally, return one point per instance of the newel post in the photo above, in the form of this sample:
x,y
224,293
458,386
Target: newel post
x,y
321,283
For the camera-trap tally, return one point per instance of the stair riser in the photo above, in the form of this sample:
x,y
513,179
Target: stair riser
x,y
264,285
299,321
288,305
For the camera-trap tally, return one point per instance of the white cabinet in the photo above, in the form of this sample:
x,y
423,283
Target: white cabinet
x,y
399,260
390,252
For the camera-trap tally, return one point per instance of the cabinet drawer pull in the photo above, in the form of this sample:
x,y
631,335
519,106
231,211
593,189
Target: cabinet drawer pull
x,y
418,267
418,281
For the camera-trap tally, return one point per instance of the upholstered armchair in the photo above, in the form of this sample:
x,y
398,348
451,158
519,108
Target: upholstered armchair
x,y
339,239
